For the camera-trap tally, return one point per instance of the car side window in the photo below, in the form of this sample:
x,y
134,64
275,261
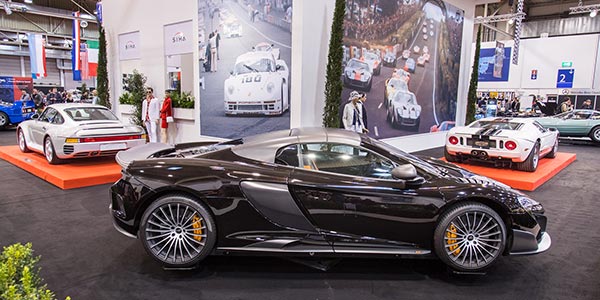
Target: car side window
x,y
48,115
58,119
540,127
345,160
287,156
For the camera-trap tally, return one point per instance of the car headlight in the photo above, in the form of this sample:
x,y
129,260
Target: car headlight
x,y
529,204
230,89
270,87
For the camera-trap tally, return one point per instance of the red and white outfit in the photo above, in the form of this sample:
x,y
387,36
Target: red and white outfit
x,y
150,115
165,111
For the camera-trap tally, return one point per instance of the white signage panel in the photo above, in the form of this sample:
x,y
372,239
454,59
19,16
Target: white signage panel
x,y
129,46
178,38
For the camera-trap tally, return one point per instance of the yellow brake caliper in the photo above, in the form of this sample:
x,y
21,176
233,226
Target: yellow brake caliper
x,y
451,235
197,225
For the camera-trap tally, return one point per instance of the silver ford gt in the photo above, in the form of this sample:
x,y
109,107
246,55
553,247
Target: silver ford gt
x,y
73,130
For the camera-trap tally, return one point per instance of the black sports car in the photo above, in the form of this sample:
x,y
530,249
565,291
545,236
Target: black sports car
x,y
317,192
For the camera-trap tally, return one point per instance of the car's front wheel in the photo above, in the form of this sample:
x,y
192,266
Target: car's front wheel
x,y
50,153
22,142
3,120
177,231
595,134
470,237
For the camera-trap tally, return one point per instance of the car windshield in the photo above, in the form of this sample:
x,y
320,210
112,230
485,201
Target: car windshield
x,y
90,114
254,66
371,56
404,98
403,157
497,125
355,64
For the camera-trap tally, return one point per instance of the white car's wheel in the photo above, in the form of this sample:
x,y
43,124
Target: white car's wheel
x,y
552,154
50,153
22,142
531,163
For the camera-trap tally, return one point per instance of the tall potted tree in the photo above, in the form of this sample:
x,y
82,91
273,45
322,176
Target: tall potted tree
x,y
333,83
472,95
102,76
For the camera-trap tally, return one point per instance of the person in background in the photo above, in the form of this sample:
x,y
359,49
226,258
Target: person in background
x,y
213,52
566,105
165,112
208,66
25,96
363,108
94,97
151,114
587,104
352,115
38,99
69,98
54,97
217,39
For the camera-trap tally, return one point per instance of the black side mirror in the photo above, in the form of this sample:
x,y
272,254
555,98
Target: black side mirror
x,y
408,174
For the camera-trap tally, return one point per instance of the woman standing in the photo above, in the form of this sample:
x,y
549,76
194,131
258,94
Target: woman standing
x,y
353,117
166,115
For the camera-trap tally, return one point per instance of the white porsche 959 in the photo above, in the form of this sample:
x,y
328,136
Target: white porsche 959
x,y
514,141
258,84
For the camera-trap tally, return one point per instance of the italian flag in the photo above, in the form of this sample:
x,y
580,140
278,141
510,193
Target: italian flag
x,y
92,49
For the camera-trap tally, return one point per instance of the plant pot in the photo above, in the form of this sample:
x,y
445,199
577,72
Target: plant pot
x,y
183,113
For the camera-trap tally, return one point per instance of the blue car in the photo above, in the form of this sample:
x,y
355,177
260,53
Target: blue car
x,y
15,112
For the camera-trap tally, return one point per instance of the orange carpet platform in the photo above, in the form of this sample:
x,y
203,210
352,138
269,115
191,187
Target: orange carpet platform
x,y
75,173
527,181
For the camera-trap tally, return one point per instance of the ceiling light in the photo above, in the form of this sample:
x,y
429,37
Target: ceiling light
x,y
28,1
593,13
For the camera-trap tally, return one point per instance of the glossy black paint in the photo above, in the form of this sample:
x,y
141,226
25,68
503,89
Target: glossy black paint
x,y
347,213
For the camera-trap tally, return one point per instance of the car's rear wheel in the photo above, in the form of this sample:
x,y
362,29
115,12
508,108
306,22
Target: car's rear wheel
x,y
470,237
3,120
595,134
552,154
177,231
531,163
50,153
449,157
22,142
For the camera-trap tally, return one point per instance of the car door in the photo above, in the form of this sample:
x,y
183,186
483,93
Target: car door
x,y
349,191
41,125
574,123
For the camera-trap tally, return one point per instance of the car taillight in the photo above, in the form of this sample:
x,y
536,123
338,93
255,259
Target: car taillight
x,y
510,145
453,140
110,138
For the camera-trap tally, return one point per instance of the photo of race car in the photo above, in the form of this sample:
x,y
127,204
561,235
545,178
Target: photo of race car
x,y
518,142
404,111
410,65
373,60
358,74
389,59
392,85
405,54
258,85
417,49
421,61
264,46
232,29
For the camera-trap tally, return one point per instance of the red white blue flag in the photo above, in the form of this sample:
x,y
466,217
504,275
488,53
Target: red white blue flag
x,y
37,54
75,48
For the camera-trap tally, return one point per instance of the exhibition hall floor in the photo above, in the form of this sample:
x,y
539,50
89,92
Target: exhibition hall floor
x,y
84,257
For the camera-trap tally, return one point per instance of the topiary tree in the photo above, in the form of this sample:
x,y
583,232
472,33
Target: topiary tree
x,y
472,95
333,83
136,85
102,76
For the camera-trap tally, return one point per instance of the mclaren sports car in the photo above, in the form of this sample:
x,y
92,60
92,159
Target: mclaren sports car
x,y
315,192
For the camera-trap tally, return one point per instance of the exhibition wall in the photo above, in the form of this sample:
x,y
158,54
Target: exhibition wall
x,y
541,59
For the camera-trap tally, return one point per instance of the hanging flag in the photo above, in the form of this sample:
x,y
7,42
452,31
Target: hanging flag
x,y
76,48
92,55
83,55
37,54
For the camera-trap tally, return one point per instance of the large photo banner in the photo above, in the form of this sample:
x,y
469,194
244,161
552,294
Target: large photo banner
x,y
403,59
245,67
494,63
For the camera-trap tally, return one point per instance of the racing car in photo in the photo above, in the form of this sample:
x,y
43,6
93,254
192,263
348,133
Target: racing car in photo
x,y
405,54
358,74
416,49
257,85
72,130
576,123
404,110
232,28
421,61
264,46
521,142
374,62
313,193
392,85
389,59
410,65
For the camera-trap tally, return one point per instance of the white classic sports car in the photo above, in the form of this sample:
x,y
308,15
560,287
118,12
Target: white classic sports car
x,y
374,62
258,84
73,130
264,46
519,141
403,110
358,74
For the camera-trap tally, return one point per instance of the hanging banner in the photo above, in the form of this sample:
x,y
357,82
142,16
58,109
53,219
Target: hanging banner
x,y
37,54
129,46
75,48
178,38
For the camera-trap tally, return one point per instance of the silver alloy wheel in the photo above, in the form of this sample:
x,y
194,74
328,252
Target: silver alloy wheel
x,y
597,134
473,240
175,233
48,150
3,119
21,140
